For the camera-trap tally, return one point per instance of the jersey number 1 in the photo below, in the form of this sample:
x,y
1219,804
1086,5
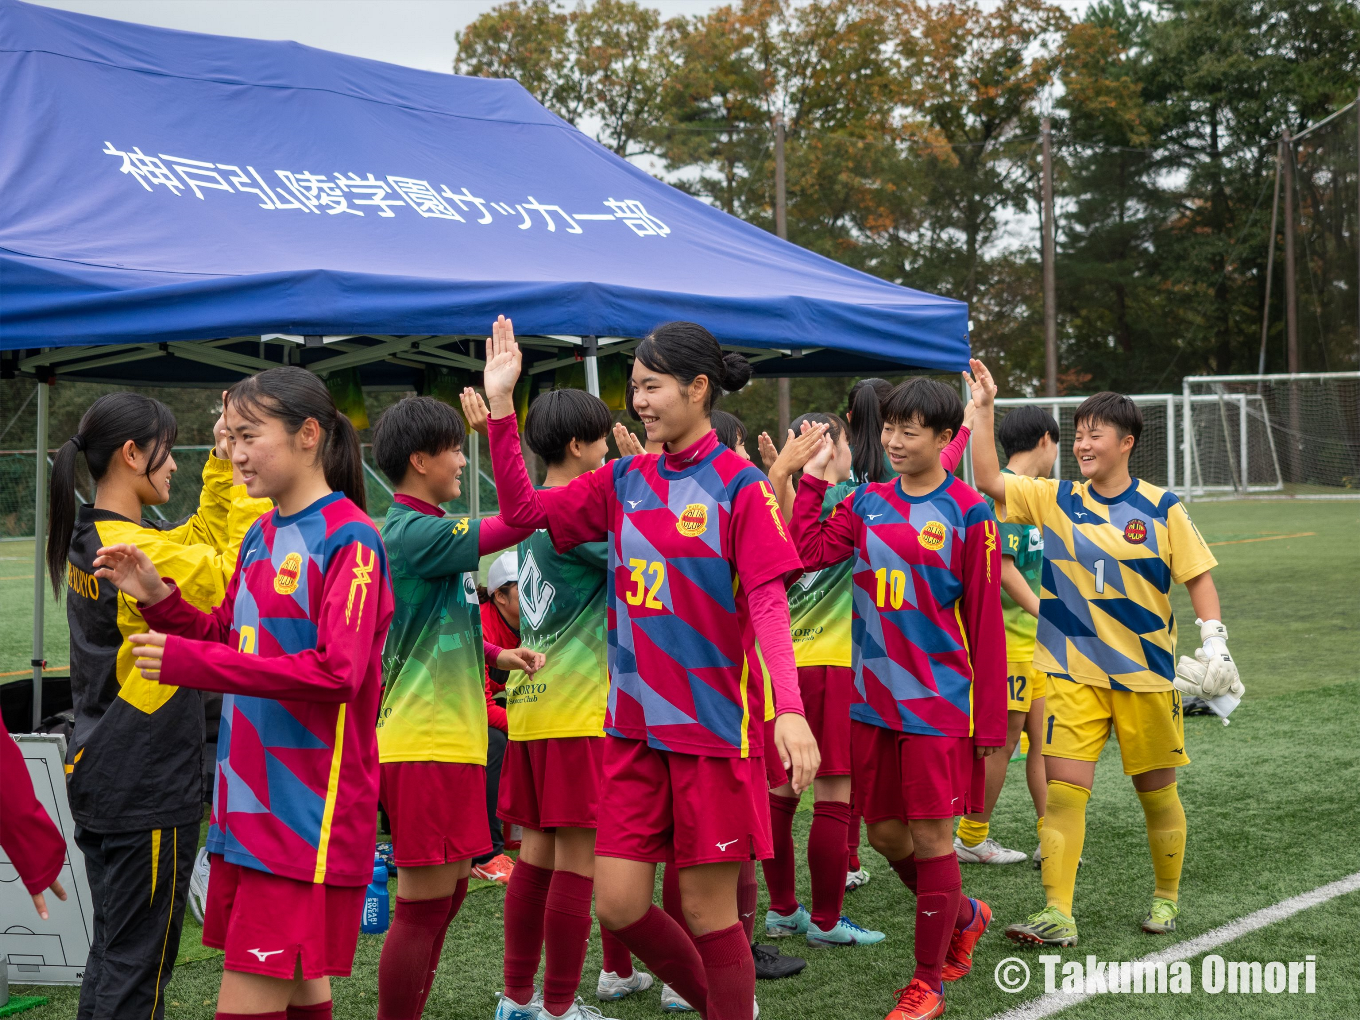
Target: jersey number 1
x,y
1100,577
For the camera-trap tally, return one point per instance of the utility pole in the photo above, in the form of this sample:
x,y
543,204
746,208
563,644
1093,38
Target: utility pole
x,y
1270,265
781,227
1357,225
1050,271
1291,311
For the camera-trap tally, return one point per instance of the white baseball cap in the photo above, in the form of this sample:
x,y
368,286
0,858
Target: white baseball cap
x,y
505,570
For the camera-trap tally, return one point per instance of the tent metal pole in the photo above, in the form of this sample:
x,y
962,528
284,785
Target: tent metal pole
x,y
781,228
39,534
590,345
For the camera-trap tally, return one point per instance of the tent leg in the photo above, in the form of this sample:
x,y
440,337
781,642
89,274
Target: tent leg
x,y
968,452
39,535
592,359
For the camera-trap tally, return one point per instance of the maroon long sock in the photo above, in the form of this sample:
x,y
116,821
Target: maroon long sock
x,y
617,959
906,871
731,972
455,902
404,967
566,928
967,910
670,898
667,949
826,858
747,891
852,841
316,1011
525,899
779,869
937,907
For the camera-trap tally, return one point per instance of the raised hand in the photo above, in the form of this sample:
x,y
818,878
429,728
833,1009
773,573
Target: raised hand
x,y
969,415
768,453
503,360
131,571
521,658
981,384
474,409
799,450
629,445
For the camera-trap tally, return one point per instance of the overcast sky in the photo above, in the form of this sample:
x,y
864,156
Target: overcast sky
x,y
418,33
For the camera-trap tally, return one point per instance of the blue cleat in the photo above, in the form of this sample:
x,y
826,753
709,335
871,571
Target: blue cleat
x,y
844,932
780,926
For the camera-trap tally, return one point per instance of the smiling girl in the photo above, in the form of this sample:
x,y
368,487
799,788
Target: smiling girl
x,y
296,647
134,764
698,561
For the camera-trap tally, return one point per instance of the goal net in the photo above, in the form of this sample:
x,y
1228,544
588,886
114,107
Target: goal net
x,y
1291,434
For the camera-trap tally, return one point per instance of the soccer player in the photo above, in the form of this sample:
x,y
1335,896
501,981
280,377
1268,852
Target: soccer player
x,y
500,627
929,664
296,645
698,560
432,731
551,777
1029,436
135,771
1113,546
820,611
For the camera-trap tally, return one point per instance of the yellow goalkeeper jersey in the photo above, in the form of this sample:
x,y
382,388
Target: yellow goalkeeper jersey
x,y
1104,603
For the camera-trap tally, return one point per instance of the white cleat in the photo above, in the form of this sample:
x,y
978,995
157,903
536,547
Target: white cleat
x,y
198,885
989,851
578,1010
611,987
508,1009
671,1001
855,879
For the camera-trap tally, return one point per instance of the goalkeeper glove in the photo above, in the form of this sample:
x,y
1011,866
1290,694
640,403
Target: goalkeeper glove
x,y
1212,671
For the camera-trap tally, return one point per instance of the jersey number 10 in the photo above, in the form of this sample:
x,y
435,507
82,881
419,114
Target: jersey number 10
x,y
891,588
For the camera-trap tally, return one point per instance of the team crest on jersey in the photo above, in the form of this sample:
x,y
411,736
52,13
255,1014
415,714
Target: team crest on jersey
x,y
290,570
932,535
1135,531
693,520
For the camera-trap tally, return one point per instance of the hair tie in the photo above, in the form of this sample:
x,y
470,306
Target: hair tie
x,y
78,442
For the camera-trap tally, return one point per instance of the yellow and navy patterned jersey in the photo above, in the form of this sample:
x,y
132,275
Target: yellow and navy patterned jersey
x,y
1104,606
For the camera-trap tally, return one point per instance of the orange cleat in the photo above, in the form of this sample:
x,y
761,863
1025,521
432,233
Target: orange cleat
x,y
918,1001
495,870
958,959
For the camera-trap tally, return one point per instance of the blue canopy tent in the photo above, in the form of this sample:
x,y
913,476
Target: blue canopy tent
x,y
184,209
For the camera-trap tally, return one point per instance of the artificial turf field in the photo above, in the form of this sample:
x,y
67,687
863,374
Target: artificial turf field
x,y
1273,803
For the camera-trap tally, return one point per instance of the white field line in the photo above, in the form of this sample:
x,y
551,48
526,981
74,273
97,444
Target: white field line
x,y
1054,1002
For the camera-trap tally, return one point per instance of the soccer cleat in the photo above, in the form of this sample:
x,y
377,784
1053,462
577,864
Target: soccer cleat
x,y
844,932
671,1001
855,879
198,885
958,958
771,965
1161,919
508,1009
780,926
578,1010
495,870
611,987
1049,927
918,1001
989,851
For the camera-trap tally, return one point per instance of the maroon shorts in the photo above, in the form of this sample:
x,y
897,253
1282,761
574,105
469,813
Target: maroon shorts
x,y
688,809
552,783
437,810
913,775
267,923
827,694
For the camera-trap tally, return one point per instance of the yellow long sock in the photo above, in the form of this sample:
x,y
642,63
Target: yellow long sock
x,y
1060,841
972,833
1166,838
1039,825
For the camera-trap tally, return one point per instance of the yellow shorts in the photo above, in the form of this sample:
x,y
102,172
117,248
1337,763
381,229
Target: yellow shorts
x,y
1024,685
1148,725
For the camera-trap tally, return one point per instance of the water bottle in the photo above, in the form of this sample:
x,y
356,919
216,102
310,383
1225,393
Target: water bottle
x,y
375,900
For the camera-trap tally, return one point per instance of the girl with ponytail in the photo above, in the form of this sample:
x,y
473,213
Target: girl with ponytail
x,y
135,760
297,645
698,560
865,418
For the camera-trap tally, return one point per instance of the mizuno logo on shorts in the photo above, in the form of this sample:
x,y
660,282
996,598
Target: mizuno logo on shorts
x,y
723,846
262,956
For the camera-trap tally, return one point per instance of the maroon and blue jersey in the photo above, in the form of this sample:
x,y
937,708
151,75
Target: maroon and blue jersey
x,y
928,640
297,649
689,534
